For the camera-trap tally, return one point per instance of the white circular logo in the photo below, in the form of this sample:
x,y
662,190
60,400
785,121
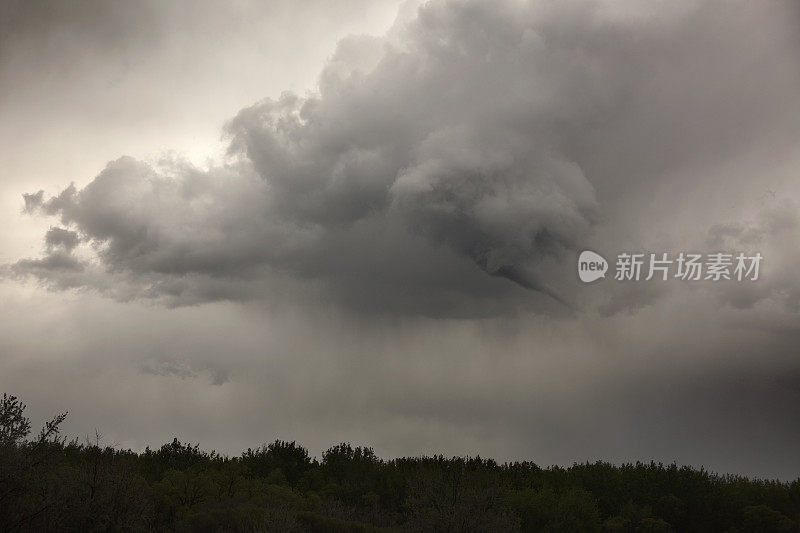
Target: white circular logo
x,y
591,266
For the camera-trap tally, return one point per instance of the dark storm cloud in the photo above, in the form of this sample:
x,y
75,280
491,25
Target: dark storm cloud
x,y
444,168
439,170
53,262
61,238
33,201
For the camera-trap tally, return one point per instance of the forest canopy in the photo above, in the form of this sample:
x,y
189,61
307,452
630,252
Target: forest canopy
x,y
50,483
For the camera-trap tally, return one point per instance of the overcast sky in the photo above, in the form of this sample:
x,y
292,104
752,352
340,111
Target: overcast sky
x,y
360,221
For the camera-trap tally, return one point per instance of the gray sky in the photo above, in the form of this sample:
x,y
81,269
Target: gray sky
x,y
360,221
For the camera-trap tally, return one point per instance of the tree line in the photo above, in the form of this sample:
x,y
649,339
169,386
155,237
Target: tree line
x,y
48,483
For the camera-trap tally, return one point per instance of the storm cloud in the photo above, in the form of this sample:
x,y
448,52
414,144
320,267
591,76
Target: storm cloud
x,y
458,139
390,257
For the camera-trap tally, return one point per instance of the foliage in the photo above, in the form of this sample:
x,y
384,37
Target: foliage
x,y
49,484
